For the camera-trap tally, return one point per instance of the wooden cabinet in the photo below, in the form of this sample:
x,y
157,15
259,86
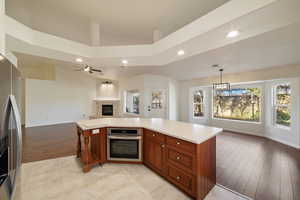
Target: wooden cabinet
x,y
190,167
151,135
182,160
91,147
154,151
181,179
181,145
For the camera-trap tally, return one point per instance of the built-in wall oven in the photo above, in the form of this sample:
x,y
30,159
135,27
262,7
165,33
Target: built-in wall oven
x,y
124,144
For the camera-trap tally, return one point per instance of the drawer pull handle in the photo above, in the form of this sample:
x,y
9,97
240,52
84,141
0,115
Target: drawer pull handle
x,y
153,134
178,143
163,146
178,158
178,177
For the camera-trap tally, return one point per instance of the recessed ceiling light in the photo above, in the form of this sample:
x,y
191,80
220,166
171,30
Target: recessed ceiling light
x,y
1,58
125,62
232,34
79,60
180,53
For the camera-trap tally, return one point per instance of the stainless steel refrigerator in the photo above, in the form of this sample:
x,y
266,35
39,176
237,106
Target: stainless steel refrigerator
x,y
10,130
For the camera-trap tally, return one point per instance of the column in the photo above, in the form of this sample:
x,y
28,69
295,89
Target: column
x,y
157,35
95,33
2,28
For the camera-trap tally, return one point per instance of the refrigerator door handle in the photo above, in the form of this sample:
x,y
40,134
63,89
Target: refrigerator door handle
x,y
5,128
4,118
14,142
16,113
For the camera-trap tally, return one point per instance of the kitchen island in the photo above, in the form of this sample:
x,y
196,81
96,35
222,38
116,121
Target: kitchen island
x,y
182,153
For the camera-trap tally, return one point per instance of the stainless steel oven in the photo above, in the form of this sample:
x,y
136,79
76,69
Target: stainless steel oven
x,y
124,144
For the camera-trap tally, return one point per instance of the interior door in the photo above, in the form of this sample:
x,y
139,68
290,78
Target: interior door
x,y
157,105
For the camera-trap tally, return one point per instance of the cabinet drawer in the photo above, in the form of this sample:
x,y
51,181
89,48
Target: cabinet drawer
x,y
154,136
181,144
183,180
182,160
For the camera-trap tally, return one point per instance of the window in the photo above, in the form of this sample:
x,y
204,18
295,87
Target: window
x,y
198,98
238,104
282,104
132,101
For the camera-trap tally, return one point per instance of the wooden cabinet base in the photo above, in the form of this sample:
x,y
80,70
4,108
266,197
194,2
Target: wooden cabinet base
x,y
190,167
91,148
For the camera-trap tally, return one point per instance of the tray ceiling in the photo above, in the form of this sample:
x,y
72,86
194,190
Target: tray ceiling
x,y
121,22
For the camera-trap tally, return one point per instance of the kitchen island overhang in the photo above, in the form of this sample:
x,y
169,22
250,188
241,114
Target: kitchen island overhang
x,y
194,133
182,153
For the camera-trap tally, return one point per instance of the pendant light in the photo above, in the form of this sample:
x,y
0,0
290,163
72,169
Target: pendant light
x,y
221,85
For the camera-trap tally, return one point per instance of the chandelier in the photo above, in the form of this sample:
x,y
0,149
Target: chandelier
x,y
221,85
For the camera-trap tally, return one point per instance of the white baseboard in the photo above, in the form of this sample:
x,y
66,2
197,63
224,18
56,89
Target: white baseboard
x,y
244,132
47,124
283,142
264,136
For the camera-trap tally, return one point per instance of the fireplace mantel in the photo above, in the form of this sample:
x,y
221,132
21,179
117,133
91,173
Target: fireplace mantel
x,y
107,100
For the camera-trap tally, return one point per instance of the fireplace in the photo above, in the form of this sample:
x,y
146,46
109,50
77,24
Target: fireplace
x,y
107,110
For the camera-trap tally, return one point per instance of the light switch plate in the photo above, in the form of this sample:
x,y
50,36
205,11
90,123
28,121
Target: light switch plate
x,y
95,131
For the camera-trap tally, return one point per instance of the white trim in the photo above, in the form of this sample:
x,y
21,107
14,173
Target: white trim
x,y
274,105
261,120
47,124
283,142
287,128
244,132
263,136
131,114
237,120
191,103
234,192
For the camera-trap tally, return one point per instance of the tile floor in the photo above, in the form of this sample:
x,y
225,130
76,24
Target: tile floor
x,y
63,179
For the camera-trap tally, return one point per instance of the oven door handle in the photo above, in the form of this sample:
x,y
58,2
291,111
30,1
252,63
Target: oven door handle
x,y
125,137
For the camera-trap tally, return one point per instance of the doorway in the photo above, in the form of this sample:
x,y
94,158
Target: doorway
x,y
157,104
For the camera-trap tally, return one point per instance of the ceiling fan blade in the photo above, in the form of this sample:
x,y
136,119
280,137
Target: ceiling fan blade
x,y
96,70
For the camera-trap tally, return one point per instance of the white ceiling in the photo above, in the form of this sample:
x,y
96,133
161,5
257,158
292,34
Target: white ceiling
x,y
203,35
121,22
275,48
269,37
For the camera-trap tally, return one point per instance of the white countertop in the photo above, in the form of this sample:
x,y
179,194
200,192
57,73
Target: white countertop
x,y
194,133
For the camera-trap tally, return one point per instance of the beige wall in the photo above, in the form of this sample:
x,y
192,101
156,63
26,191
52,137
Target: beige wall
x,y
266,79
107,91
287,71
278,72
68,98
40,71
2,34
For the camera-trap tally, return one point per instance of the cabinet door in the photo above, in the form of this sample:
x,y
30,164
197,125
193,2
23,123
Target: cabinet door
x,y
155,155
103,145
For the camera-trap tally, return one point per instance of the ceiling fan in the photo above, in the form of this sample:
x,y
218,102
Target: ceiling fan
x,y
89,69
